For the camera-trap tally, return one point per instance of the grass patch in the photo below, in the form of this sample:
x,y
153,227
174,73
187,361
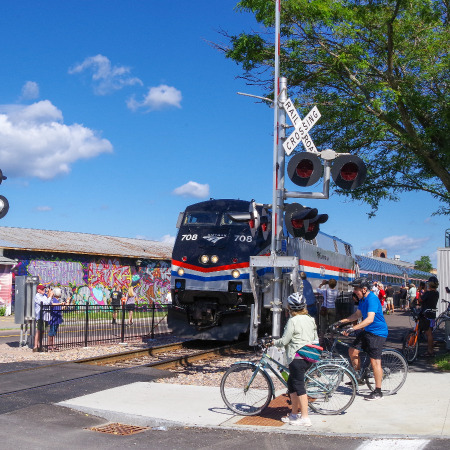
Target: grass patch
x,y
443,362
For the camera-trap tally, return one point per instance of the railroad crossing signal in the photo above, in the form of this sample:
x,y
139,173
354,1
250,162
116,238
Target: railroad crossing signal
x,y
303,222
4,204
300,134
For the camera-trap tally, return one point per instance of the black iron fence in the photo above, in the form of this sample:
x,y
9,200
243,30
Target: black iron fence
x,y
83,325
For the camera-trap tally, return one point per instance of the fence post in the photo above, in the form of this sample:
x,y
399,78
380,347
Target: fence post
x,y
86,324
122,333
152,336
41,327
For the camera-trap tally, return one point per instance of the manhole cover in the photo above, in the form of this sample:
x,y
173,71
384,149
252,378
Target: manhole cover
x,y
119,429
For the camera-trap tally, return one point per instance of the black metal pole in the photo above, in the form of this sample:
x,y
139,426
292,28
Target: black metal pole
x,y
41,327
153,321
86,324
122,333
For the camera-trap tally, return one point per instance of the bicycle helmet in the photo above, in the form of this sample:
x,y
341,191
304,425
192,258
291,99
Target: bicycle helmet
x,y
296,301
361,282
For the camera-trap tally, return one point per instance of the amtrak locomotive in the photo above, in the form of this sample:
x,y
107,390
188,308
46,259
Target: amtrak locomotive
x,y
213,285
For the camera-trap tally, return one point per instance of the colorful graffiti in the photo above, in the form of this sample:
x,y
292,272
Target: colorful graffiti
x,y
92,280
5,289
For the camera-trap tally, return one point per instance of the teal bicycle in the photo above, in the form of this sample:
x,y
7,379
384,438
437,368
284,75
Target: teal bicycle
x,y
248,387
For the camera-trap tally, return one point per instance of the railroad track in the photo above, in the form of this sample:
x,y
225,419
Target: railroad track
x,y
161,357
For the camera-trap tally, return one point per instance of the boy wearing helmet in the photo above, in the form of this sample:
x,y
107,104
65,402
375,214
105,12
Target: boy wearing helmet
x,y
299,331
373,335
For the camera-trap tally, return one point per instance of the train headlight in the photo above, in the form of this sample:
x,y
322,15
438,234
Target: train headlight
x,y
235,273
204,259
180,272
214,259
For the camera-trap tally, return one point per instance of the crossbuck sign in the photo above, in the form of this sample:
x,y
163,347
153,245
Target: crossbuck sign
x,y
301,128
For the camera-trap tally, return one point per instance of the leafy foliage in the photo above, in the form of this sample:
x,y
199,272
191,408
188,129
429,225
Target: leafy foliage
x,y
380,71
424,264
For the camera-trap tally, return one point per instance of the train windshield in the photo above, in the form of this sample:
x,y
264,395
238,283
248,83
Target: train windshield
x,y
227,220
201,218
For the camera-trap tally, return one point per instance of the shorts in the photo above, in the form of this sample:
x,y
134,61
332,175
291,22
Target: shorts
x,y
53,329
425,323
390,301
115,307
130,307
296,380
371,343
41,324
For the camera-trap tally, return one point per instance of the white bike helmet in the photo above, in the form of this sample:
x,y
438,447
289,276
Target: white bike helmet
x,y
296,301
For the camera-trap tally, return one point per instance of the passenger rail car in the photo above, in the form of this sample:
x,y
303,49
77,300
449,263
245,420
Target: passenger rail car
x,y
212,284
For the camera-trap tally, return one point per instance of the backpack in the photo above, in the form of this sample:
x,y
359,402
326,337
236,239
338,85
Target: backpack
x,y
310,353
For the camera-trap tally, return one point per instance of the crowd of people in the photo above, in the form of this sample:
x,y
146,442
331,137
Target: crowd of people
x,y
367,322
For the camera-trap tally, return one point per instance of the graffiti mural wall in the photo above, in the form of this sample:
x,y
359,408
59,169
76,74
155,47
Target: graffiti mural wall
x,y
85,279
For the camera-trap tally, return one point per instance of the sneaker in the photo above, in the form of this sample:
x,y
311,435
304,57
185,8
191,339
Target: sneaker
x,y
300,422
375,395
290,418
360,383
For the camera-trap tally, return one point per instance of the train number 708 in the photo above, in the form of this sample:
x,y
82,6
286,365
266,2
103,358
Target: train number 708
x,y
242,238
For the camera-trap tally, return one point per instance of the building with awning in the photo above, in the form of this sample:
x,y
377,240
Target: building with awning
x,y
86,266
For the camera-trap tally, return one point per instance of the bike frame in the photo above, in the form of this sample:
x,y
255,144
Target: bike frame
x,y
264,363
365,363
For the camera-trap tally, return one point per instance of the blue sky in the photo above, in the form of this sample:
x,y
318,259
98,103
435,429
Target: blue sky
x,y
116,115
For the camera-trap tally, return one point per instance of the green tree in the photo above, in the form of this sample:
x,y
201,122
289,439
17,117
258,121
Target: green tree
x,y
379,71
424,264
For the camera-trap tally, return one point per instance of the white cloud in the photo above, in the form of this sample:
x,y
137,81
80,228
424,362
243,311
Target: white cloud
x,y
35,142
105,77
30,90
43,208
168,239
157,97
193,189
400,244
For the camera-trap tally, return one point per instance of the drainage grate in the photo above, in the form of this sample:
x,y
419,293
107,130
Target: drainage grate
x,y
119,429
271,416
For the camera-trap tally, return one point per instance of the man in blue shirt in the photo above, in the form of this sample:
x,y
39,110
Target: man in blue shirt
x,y
308,293
373,335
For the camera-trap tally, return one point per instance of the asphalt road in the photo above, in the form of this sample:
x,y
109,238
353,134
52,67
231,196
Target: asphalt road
x,y
30,418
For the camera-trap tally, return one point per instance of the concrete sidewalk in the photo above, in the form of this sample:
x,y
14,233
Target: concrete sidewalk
x,y
421,408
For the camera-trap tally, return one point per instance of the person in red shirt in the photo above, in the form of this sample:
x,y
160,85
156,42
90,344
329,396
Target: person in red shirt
x,y
382,296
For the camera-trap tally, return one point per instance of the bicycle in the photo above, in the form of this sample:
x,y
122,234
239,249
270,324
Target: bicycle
x,y
247,387
393,364
410,346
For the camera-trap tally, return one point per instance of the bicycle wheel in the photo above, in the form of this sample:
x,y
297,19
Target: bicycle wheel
x,y
245,390
331,388
395,371
410,346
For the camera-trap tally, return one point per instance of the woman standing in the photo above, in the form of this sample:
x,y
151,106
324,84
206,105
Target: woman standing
x,y
300,330
131,304
428,313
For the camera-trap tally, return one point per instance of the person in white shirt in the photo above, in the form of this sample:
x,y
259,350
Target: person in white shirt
x,y
41,322
328,309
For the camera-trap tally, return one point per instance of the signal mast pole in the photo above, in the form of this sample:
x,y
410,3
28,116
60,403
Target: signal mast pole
x,y
280,95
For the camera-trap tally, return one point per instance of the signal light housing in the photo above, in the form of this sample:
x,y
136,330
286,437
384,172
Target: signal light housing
x,y
305,169
313,226
297,217
349,172
4,206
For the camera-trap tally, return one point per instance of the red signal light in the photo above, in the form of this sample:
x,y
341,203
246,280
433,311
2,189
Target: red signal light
x,y
251,222
305,168
297,223
349,171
